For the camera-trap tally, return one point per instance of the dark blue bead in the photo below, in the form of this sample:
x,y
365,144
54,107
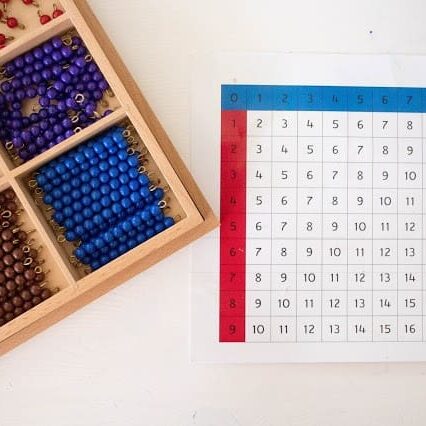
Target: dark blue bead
x,y
78,217
134,185
68,212
79,230
116,208
70,236
126,203
168,222
95,183
149,233
114,183
143,180
86,200
125,191
96,207
104,177
98,220
69,223
87,213
115,196
58,217
66,200
135,197
96,195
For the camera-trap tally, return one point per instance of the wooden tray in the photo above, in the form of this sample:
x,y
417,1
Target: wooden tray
x,y
76,288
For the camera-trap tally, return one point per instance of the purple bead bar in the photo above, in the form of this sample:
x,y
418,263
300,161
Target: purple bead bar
x,y
61,76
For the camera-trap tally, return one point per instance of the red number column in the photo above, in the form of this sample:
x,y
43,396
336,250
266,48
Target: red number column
x,y
233,226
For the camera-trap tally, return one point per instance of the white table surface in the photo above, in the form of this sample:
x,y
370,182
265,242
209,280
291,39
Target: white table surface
x,y
124,360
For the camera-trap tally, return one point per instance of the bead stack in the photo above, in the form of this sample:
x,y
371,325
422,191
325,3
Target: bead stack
x,y
22,283
68,86
102,198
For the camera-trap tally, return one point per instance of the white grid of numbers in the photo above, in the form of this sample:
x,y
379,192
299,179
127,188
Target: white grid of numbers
x,y
335,232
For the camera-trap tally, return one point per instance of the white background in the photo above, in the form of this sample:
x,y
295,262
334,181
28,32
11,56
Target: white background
x,y
124,360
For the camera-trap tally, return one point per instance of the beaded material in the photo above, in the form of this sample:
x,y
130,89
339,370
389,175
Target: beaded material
x,y
22,283
102,200
62,76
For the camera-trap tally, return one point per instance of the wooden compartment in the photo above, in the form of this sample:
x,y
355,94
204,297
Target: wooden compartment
x,y
77,286
28,16
63,28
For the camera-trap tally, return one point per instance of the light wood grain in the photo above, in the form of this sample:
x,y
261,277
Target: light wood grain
x,y
196,216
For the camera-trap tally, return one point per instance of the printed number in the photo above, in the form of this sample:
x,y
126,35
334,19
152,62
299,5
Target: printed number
x,y
310,124
409,125
335,124
259,123
284,123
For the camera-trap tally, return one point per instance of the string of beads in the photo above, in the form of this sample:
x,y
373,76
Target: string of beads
x,y
68,87
102,199
22,280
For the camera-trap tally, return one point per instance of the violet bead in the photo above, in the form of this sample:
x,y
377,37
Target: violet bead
x,y
44,125
20,95
38,53
56,56
19,62
103,85
69,133
67,123
57,70
43,113
38,66
47,48
59,86
57,42
49,135
97,95
31,92
74,70
76,41
32,148
62,106
80,62
29,69
29,58
41,90
47,61
44,101
26,136
34,117
36,78
58,129
18,143
26,80
52,93
66,52
6,87
35,130
66,77
16,84
40,142
47,74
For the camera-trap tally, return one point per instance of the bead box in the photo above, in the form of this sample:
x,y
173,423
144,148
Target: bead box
x,y
95,241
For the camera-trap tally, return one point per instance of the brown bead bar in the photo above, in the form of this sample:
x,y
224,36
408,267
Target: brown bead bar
x,y
21,278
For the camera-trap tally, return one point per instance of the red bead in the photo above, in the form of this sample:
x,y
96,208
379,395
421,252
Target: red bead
x,y
57,12
44,19
12,22
4,39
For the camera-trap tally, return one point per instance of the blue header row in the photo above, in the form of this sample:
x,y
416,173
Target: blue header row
x,y
323,98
